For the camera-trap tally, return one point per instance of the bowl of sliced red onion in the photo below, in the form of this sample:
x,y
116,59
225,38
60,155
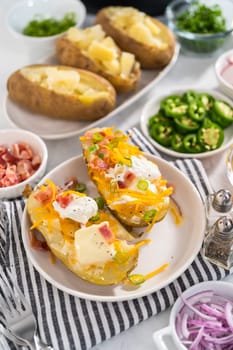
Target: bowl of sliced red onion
x,y
23,161
201,319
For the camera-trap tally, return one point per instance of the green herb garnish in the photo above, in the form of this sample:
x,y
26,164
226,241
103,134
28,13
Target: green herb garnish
x,y
202,19
81,187
41,27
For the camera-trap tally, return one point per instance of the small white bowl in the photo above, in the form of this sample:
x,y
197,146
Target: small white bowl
x,y
224,289
23,12
152,107
10,136
223,69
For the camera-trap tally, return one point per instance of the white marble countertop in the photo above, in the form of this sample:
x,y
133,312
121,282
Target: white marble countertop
x,y
189,71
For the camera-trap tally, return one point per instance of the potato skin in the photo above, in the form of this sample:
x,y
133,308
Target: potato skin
x,y
150,57
70,54
47,102
65,251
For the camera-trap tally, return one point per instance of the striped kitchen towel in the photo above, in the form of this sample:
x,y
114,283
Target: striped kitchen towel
x,y
71,323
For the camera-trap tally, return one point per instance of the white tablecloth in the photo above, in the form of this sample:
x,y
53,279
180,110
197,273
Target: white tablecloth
x,y
189,71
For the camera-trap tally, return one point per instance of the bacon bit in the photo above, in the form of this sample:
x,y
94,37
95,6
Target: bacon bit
x,y
37,244
107,233
22,151
45,195
71,183
99,163
64,201
121,184
18,164
128,178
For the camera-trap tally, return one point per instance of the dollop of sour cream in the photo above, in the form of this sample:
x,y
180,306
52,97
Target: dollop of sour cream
x,y
141,168
80,209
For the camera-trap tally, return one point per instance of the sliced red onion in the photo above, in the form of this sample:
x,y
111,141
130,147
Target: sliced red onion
x,y
229,314
206,322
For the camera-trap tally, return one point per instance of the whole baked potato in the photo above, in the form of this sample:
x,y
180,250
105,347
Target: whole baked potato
x,y
148,39
92,49
131,185
62,92
89,241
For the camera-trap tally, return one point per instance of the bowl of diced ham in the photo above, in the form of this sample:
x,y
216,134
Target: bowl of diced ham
x,y
23,161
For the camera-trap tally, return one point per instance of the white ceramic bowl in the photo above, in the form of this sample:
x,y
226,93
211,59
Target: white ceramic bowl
x,y
224,72
224,289
152,107
23,12
11,136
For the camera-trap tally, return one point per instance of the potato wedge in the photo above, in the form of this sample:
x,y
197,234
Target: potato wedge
x,y
62,92
92,49
87,240
148,39
131,185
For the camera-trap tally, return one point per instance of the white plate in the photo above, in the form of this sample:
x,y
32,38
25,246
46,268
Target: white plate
x,y
49,128
177,245
152,107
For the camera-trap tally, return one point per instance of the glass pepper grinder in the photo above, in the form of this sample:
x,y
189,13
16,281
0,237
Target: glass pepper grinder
x,y
218,244
218,204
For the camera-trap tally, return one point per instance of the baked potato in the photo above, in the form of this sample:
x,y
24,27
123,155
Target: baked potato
x,y
88,240
148,39
131,185
92,49
62,92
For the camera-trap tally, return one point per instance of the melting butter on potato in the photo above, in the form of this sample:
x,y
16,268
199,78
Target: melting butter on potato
x,y
62,92
92,49
149,40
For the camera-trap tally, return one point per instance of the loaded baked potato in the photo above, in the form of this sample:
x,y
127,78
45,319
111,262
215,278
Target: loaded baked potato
x,y
92,49
62,92
88,240
131,185
148,39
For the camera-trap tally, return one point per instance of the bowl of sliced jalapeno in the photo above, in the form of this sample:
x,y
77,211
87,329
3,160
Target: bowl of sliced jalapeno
x,y
189,123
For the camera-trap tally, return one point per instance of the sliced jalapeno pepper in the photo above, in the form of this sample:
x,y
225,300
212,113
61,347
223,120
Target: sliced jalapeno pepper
x,y
190,96
171,106
176,111
222,113
156,119
177,143
206,100
196,111
210,136
191,144
162,133
185,124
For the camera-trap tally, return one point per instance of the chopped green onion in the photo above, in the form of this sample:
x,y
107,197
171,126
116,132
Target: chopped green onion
x,y
95,218
121,257
114,143
93,148
97,137
81,187
149,215
136,279
41,27
143,185
101,155
100,202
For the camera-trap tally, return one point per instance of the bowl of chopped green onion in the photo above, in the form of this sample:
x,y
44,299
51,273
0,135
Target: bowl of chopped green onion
x,y
201,26
43,21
